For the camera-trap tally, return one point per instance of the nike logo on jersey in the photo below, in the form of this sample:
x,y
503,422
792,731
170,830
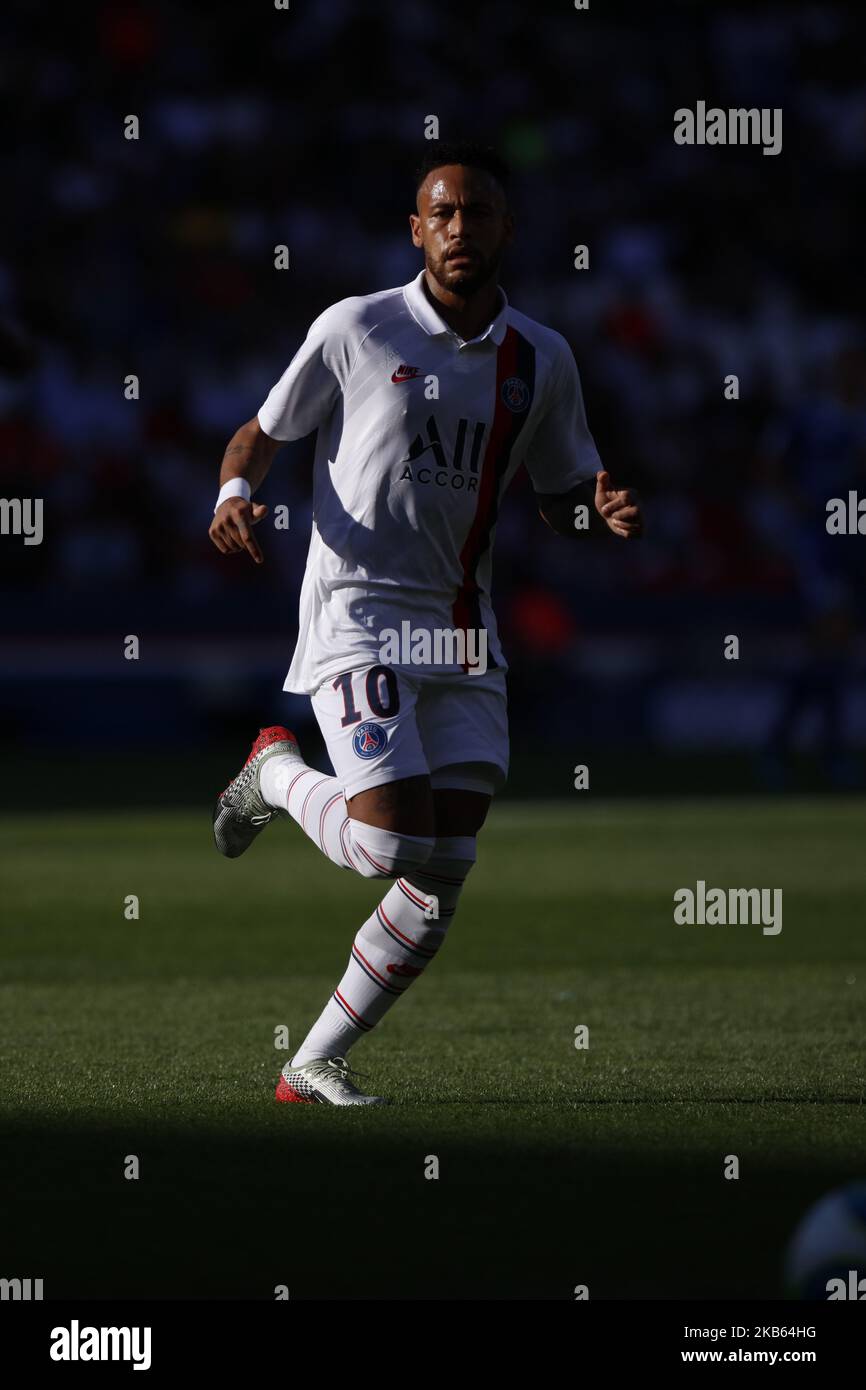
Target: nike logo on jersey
x,y
404,373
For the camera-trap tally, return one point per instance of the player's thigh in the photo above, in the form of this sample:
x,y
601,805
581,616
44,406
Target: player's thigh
x,y
405,806
463,724
368,721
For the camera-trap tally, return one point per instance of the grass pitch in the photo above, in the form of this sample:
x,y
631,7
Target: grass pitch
x,y
557,1167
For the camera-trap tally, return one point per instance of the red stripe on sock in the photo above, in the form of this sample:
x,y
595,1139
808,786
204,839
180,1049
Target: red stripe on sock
x,y
348,1007
370,967
421,950
306,800
407,889
333,801
381,867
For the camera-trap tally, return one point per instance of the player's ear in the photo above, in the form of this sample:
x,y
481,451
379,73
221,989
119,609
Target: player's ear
x,y
415,227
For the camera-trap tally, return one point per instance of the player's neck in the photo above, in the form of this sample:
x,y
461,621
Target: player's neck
x,y
468,317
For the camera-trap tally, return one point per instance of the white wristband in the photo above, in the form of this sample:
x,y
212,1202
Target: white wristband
x,y
235,487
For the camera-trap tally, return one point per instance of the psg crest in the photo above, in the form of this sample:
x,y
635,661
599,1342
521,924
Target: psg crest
x,y
368,740
515,393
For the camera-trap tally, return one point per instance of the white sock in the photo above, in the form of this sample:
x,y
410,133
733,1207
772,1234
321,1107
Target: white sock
x,y
311,798
316,802
393,947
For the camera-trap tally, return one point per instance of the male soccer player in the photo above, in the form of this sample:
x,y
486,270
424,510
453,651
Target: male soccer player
x,y
427,398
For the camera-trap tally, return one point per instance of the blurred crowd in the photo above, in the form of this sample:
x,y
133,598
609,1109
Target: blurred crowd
x,y
258,126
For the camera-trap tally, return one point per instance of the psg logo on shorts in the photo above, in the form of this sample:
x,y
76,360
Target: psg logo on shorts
x,y
368,740
515,393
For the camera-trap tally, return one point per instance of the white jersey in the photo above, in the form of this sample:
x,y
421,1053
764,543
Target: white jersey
x,y
419,435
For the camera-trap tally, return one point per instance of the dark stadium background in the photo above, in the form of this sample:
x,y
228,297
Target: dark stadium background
x,y
155,257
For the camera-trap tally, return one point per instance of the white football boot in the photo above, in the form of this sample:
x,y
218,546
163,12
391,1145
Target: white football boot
x,y
241,813
324,1081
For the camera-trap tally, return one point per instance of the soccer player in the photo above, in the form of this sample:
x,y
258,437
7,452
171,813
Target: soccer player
x,y
426,398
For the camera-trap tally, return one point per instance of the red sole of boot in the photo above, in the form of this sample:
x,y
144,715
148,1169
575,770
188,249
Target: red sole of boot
x,y
285,1092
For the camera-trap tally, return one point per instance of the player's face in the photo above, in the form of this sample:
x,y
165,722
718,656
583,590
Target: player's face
x,y
464,225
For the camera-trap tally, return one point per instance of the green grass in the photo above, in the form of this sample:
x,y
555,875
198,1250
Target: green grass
x,y
557,1167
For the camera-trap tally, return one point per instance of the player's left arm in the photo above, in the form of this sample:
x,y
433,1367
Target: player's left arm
x,y
619,508
562,449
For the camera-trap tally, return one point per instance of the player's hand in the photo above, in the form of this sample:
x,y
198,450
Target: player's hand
x,y
619,507
231,529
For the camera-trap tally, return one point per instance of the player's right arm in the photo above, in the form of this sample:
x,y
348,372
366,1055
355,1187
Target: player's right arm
x,y
249,455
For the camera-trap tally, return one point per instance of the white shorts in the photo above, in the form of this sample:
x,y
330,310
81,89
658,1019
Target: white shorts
x,y
381,723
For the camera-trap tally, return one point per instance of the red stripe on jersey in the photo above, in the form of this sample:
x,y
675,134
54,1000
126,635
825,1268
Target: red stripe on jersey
x,y
506,362
515,357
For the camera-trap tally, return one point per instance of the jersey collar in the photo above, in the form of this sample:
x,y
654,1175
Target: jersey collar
x,y
424,314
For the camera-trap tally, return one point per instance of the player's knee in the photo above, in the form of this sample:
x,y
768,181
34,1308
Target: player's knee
x,y
378,853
